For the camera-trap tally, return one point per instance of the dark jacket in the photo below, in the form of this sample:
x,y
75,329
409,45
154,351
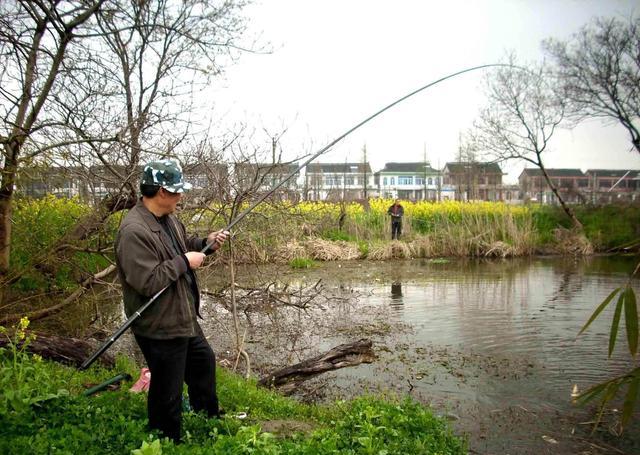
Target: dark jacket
x,y
147,262
396,212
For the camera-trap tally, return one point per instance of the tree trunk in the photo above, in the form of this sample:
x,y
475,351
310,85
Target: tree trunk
x,y
95,220
344,355
6,198
574,220
70,351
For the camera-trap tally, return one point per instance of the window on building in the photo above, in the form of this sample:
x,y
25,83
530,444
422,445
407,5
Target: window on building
x,y
392,181
430,181
419,181
332,180
405,180
348,180
384,181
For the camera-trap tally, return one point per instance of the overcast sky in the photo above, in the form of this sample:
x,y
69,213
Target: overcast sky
x,y
335,62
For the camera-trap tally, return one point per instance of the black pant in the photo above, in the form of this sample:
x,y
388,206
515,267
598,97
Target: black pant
x,y
171,363
396,229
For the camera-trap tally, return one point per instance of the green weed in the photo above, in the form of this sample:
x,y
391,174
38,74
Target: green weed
x,y
115,422
301,263
24,380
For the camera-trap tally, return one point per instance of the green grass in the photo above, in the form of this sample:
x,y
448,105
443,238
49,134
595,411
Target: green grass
x,y
610,226
606,227
114,422
301,263
336,234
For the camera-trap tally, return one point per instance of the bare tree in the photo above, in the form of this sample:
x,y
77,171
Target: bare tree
x,y
35,38
599,71
122,94
151,60
523,113
110,82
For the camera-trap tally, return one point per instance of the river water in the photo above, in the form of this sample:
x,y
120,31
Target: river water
x,y
490,345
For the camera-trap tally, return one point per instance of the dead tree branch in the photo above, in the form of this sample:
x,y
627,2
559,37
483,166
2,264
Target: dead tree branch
x,y
345,355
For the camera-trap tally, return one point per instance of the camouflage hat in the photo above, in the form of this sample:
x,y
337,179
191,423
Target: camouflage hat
x,y
167,174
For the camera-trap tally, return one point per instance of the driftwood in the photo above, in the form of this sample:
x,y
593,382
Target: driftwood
x,y
344,355
70,351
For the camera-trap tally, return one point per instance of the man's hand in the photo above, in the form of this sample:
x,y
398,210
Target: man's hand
x,y
195,258
216,239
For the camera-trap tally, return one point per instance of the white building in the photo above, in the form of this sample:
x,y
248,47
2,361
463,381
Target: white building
x,y
411,181
337,181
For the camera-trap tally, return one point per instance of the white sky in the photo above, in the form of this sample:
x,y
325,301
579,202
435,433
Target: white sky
x,y
335,62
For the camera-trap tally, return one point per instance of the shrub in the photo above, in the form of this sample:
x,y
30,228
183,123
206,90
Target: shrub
x,y
39,225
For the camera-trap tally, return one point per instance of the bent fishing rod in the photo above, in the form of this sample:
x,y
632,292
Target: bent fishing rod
x,y
261,199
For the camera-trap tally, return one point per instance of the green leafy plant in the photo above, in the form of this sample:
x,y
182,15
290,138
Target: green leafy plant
x,y
152,448
606,391
363,248
115,422
20,375
39,225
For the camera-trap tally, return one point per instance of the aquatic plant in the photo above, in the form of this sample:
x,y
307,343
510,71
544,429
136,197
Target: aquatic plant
x,y
606,391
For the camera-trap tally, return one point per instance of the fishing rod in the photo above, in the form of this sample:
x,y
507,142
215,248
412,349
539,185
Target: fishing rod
x,y
261,199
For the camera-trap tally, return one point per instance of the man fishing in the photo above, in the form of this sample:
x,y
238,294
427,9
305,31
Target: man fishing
x,y
153,252
396,211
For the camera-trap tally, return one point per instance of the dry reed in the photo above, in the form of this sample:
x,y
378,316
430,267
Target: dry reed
x,y
290,251
396,249
326,250
568,241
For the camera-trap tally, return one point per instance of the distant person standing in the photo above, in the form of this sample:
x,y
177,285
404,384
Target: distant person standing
x,y
396,211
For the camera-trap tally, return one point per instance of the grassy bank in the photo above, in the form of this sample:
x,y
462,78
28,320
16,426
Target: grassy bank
x,y
329,231
43,411
300,233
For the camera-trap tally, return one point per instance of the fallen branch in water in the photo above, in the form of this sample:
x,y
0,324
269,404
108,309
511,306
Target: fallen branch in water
x,y
250,299
345,355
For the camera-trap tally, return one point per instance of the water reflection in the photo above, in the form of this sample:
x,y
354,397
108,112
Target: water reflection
x,y
396,291
396,296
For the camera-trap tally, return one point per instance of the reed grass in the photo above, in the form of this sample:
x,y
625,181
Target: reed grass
x,y
317,230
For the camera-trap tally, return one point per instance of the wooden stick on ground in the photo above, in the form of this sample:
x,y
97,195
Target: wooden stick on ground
x,y
344,355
